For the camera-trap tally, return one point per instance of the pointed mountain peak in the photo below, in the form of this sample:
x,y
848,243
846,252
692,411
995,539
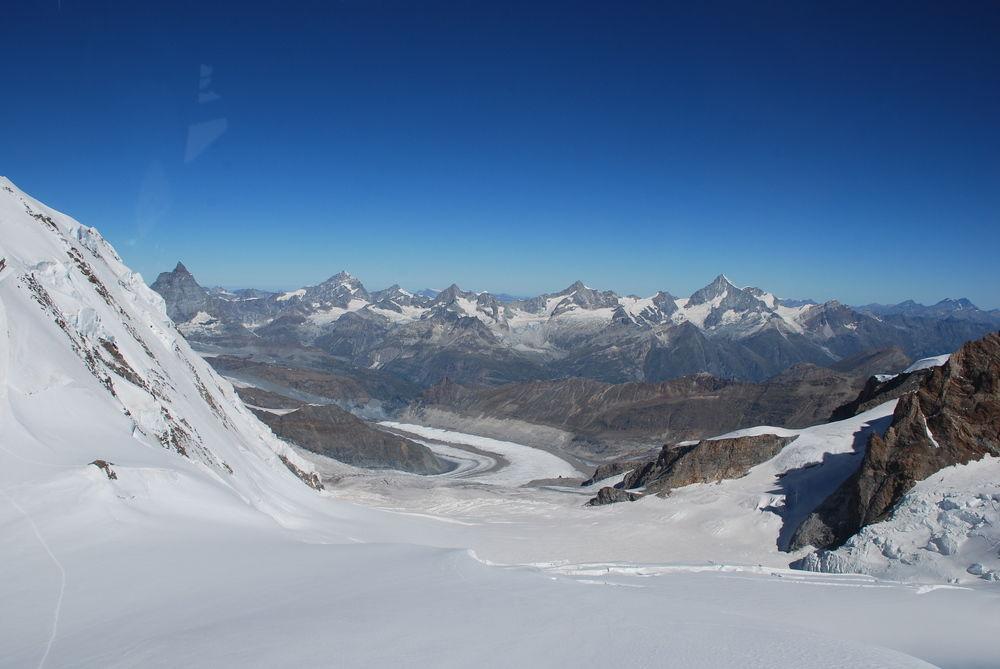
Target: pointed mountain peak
x,y
178,276
719,286
723,280
449,294
575,287
341,277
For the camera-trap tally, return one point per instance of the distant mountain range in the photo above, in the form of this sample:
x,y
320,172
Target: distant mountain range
x,y
733,332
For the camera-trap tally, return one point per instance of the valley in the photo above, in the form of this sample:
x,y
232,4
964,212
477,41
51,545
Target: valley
x,y
450,335
311,509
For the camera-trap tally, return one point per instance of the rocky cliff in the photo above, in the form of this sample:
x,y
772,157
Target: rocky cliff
x,y
335,433
708,461
952,418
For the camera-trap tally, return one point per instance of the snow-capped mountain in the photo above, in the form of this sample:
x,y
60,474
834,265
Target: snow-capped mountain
x,y
149,519
94,371
946,308
722,329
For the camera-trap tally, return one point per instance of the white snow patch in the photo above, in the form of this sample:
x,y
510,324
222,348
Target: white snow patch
x,y
289,295
928,363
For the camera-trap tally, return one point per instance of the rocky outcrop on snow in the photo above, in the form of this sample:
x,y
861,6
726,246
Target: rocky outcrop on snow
x,y
879,389
609,470
330,431
952,418
609,495
708,461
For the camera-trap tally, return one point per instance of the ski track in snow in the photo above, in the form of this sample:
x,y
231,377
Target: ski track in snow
x,y
57,612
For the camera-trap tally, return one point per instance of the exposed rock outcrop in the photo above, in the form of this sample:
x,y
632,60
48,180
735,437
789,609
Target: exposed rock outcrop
x,y
181,293
335,433
311,479
105,466
265,399
953,417
609,495
707,461
878,390
609,469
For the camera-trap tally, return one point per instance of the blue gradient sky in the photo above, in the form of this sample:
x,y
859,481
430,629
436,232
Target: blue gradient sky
x,y
849,152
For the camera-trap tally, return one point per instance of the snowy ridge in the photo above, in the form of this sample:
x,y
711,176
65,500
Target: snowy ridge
x,y
735,311
85,334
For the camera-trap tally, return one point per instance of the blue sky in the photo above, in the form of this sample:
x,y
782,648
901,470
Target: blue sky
x,y
848,152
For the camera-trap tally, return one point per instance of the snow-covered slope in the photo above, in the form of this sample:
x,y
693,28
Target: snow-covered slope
x,y
947,528
190,542
92,369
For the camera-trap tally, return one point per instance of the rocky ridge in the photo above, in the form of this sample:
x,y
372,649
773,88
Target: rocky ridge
x,y
952,418
707,461
477,338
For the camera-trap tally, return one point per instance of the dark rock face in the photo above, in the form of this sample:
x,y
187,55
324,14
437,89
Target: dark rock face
x,y
183,295
105,466
311,479
707,461
870,363
953,417
264,399
609,495
608,470
335,433
878,391
322,381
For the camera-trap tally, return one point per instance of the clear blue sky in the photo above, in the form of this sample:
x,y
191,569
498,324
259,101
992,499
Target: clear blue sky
x,y
849,151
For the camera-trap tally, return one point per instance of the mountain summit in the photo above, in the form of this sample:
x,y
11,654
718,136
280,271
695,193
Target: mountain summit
x,y
722,329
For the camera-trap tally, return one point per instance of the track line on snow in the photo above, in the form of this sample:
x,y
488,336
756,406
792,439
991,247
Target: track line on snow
x,y
62,577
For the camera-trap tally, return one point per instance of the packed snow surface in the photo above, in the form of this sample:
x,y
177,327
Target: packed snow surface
x,y
928,363
947,527
148,519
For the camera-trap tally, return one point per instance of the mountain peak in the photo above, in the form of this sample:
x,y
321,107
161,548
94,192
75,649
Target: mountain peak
x,y
449,294
719,286
575,287
960,303
341,277
180,268
722,279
